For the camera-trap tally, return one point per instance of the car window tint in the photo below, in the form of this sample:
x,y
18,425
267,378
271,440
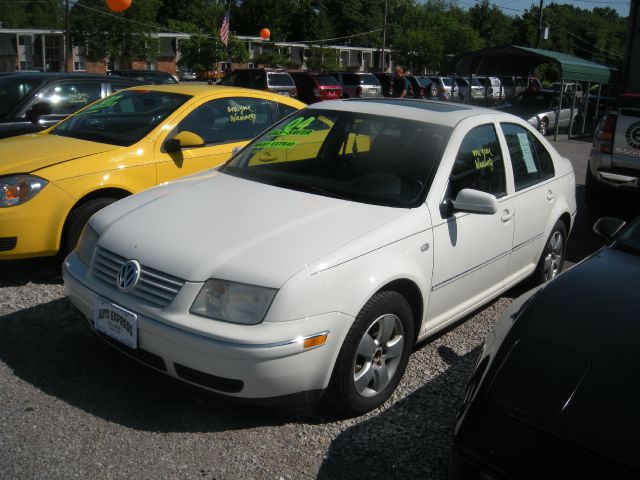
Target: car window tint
x,y
284,110
327,80
115,86
66,98
531,162
479,164
228,119
12,91
280,80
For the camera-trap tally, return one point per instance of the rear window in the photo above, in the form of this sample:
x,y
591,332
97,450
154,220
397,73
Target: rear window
x,y
280,80
368,79
327,80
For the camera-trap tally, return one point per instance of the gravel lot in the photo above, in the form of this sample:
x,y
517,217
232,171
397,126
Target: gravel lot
x,y
73,407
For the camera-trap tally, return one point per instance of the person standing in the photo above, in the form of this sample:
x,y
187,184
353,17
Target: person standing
x,y
400,83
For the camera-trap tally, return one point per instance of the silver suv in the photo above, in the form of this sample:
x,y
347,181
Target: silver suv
x,y
614,163
272,80
358,84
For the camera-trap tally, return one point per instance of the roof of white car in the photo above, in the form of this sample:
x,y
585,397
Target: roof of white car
x,y
442,113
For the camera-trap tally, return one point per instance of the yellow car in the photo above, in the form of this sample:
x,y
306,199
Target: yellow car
x,y
52,182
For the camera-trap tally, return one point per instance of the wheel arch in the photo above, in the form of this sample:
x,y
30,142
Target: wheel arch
x,y
112,192
411,293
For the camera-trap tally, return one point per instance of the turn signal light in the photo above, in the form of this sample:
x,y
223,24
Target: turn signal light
x,y
315,341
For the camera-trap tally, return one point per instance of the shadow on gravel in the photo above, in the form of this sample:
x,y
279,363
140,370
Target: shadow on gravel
x,y
51,347
412,438
16,273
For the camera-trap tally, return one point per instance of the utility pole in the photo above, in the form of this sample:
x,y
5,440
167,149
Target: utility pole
x,y
384,35
67,36
539,42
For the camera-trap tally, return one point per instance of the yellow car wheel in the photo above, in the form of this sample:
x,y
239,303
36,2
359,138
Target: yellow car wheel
x,y
76,221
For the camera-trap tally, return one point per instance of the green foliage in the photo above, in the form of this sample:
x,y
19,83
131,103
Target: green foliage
x,y
322,59
200,53
46,14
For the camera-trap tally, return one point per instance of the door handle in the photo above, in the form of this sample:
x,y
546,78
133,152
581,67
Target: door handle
x,y
506,215
550,195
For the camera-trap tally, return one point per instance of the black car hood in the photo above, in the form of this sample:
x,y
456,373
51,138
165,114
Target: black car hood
x,y
583,331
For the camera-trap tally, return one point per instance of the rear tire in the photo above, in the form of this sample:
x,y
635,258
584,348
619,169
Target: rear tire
x,y
543,128
374,355
76,221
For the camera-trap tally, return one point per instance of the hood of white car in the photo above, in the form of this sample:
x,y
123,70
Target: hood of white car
x,y
220,226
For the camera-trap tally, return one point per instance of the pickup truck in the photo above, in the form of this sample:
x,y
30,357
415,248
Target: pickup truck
x,y
613,175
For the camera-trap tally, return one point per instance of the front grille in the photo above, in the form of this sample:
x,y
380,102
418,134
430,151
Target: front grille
x,y
8,243
230,385
154,287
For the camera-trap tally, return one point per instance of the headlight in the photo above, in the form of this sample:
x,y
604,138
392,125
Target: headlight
x,y
17,189
86,244
233,302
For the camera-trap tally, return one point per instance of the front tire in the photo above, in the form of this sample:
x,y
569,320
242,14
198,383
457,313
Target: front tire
x,y
552,258
374,355
76,221
543,128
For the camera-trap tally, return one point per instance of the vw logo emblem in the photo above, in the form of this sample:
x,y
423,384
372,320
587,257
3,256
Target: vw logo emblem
x,y
128,275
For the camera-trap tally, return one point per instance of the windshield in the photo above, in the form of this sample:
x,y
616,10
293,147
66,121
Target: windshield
x,y
629,241
122,118
353,156
13,90
280,80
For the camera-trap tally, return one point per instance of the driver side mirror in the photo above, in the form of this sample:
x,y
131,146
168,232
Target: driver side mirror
x,y
608,227
472,201
184,139
38,110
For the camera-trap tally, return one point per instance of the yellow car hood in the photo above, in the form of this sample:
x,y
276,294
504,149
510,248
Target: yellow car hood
x,y
29,153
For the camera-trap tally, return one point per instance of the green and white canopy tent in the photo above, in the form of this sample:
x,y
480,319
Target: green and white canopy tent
x,y
521,61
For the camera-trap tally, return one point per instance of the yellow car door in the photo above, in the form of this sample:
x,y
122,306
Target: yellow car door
x,y
207,136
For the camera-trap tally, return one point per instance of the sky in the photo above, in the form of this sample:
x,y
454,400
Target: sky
x,y
516,7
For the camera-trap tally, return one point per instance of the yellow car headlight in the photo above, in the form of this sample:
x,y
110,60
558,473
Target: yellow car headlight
x,y
18,189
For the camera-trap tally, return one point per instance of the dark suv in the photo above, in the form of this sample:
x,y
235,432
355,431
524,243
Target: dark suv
x,y
315,87
150,77
386,82
276,81
30,102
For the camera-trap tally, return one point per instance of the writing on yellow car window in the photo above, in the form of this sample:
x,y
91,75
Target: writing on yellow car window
x,y
297,127
107,102
75,98
273,144
483,158
240,113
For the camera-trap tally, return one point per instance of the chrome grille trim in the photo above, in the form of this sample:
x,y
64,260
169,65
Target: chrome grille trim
x,y
154,287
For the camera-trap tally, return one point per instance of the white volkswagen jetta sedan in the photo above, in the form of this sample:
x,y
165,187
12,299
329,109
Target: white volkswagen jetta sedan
x,y
314,260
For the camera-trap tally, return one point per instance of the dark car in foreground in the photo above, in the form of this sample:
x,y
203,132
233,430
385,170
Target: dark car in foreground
x,y
30,102
555,392
150,77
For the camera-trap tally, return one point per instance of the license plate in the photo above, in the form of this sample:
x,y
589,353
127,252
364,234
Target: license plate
x,y
116,322
372,90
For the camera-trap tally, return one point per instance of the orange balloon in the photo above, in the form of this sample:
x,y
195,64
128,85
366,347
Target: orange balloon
x,y
265,34
118,5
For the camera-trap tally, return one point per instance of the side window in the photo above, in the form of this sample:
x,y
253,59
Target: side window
x,y
228,120
530,160
66,98
479,164
115,86
285,110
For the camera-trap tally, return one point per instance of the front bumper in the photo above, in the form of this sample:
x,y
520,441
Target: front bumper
x,y
34,228
275,367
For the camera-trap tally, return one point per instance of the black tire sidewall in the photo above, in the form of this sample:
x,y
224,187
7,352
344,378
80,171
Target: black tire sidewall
x,y
76,221
341,392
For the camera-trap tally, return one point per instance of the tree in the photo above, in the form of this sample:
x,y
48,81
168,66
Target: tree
x,y
123,36
200,52
493,26
32,14
322,59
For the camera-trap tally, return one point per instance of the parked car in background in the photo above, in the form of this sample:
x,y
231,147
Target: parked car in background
x,y
446,90
266,79
539,109
569,88
386,83
31,102
344,235
493,87
186,74
469,91
420,86
151,77
430,88
53,181
613,173
358,84
513,85
555,391
315,87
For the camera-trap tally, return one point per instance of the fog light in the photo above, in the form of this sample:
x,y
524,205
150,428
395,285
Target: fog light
x,y
315,340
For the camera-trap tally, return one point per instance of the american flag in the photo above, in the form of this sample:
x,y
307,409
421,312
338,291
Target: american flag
x,y
224,29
